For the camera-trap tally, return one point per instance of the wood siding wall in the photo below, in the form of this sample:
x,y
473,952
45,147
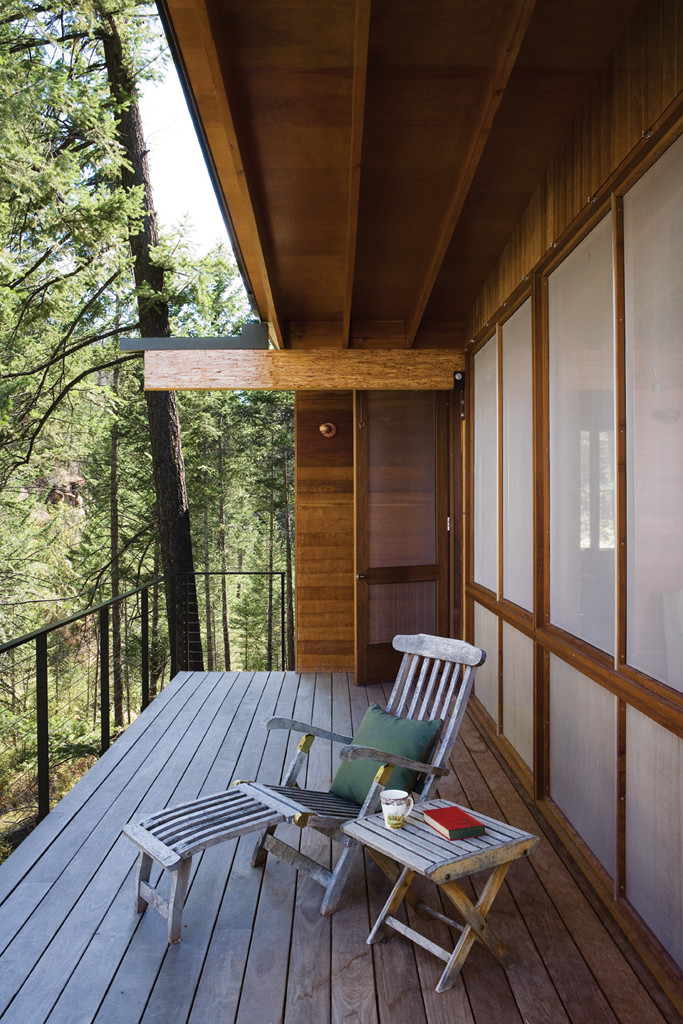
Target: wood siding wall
x,y
638,93
325,633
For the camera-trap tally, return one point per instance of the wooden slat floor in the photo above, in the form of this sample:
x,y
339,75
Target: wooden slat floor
x,y
255,948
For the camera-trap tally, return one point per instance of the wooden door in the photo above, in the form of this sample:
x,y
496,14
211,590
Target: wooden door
x,y
401,523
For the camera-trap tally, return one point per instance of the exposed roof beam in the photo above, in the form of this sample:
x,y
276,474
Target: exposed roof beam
x,y
360,72
301,370
482,121
204,73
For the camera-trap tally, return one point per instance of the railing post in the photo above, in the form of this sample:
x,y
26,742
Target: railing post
x,y
104,677
42,727
144,640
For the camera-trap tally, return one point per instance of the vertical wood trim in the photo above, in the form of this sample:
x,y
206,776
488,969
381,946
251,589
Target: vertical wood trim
x,y
620,802
499,382
501,723
456,471
468,504
541,723
442,507
360,463
541,456
620,424
501,579
621,514
541,461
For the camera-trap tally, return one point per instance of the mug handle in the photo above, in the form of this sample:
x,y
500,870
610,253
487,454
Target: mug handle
x,y
412,804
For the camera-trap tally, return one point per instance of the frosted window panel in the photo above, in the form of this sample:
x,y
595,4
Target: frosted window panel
x,y
653,226
486,466
518,692
654,828
518,483
486,639
582,452
582,757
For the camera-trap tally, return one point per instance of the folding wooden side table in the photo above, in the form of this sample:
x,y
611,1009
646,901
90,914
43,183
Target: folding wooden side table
x,y
421,850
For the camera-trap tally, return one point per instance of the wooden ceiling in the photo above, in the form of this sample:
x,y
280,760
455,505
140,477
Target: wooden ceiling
x,y
375,155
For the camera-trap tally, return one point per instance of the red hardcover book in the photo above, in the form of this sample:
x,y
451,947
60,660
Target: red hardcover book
x,y
454,822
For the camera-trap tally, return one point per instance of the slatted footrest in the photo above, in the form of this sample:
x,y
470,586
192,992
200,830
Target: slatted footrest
x,y
171,837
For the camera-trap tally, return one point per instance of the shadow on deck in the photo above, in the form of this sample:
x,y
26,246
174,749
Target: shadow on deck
x,y
255,948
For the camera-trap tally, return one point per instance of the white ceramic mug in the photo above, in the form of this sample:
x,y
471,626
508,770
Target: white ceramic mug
x,y
396,806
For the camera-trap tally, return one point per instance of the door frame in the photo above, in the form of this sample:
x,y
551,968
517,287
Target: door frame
x,y
386,661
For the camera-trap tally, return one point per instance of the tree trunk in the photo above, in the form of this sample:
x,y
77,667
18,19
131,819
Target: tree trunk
x,y
164,426
207,578
156,664
117,663
271,551
222,549
289,580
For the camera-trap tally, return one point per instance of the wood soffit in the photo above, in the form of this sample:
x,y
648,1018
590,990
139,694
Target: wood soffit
x,y
374,156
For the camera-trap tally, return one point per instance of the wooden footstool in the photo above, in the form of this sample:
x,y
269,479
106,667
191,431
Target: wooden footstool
x,y
173,835
419,849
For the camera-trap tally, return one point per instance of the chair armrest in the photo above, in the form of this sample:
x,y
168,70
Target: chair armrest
x,y
354,752
313,730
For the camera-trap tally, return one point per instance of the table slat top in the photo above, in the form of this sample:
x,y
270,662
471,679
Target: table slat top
x,y
420,847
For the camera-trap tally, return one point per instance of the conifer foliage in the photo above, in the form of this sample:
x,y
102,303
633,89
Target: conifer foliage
x,y
85,479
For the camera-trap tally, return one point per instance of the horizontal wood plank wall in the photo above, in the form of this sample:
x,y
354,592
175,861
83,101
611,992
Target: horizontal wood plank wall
x,y
642,80
325,631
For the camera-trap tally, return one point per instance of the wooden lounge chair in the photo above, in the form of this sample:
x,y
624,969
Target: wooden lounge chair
x,y
428,699
407,744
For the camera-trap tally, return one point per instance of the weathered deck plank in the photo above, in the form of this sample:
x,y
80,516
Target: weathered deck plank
x,y
254,944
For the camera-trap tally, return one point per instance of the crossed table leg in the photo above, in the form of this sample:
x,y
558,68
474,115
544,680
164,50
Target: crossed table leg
x,y
420,850
474,914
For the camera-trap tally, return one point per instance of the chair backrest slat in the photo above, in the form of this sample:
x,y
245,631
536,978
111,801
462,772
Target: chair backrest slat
x,y
415,696
444,691
425,711
404,680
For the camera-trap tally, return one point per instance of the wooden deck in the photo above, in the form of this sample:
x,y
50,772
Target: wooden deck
x,y
254,947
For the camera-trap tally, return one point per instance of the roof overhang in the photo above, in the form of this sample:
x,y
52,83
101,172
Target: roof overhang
x,y
374,156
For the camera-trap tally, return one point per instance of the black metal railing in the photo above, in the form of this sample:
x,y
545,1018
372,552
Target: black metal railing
x,y
259,644
68,688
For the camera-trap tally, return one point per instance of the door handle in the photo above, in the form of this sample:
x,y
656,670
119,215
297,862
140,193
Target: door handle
x,y
361,576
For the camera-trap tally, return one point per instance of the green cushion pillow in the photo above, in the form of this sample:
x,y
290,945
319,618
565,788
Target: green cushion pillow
x,y
393,735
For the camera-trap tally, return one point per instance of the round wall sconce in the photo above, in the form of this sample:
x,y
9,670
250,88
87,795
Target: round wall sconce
x,y
327,429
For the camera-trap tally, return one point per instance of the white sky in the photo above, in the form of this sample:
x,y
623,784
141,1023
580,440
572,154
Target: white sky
x,y
180,180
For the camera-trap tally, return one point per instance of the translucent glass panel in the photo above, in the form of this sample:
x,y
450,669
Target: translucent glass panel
x,y
401,478
582,757
518,692
653,226
518,534
486,638
654,828
582,454
486,466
